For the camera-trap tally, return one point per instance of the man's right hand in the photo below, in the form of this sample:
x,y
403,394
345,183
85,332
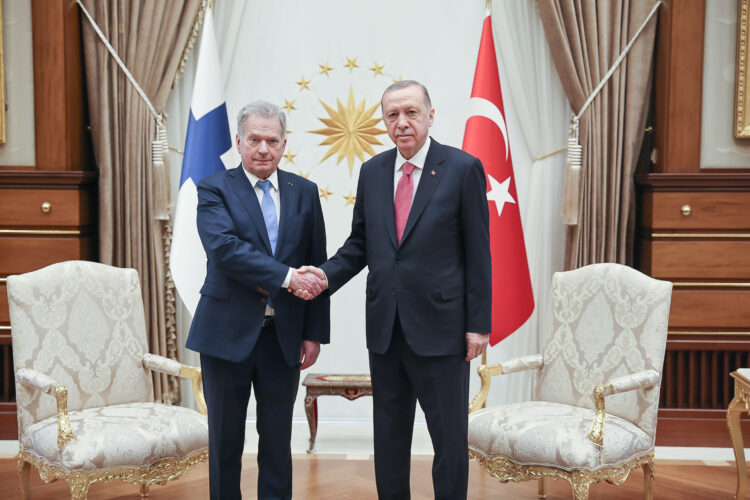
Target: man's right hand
x,y
311,275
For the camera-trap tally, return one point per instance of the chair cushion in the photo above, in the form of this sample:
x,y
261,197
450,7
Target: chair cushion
x,y
127,435
553,434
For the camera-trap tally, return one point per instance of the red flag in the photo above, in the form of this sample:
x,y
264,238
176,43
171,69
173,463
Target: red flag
x,y
486,137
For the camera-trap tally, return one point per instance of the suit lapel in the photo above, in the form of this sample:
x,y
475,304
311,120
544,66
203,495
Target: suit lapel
x,y
249,200
427,184
385,184
287,193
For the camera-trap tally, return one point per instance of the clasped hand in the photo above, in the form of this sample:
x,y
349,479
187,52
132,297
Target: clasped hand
x,y
307,282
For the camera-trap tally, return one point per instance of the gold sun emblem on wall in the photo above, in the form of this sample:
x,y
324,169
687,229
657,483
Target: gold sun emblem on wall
x,y
350,131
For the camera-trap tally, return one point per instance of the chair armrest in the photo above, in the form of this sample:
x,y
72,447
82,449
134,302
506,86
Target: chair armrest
x,y
486,372
39,381
641,380
177,369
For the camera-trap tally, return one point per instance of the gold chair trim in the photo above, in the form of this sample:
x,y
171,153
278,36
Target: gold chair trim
x,y
507,470
64,431
159,472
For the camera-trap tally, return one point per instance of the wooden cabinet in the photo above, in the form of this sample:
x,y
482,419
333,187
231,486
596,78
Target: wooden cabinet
x,y
45,217
694,230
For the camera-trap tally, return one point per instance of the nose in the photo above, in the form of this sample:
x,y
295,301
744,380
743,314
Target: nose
x,y
402,122
263,147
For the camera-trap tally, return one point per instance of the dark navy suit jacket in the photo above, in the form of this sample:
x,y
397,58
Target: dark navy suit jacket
x,y
242,273
439,277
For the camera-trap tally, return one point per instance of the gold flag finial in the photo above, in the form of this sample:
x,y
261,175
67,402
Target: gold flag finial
x,y
488,4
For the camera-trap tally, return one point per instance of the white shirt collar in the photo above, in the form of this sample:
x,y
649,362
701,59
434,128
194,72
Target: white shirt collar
x,y
273,178
417,160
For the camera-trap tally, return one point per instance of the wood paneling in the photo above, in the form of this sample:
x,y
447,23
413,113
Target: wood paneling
x,y
23,254
708,210
709,308
59,126
8,421
24,207
679,86
684,259
4,319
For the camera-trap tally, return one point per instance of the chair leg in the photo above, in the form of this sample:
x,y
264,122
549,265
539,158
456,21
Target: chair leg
x,y
648,480
144,491
580,483
24,468
542,491
79,485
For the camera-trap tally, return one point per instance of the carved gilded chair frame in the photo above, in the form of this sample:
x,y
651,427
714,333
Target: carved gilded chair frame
x,y
507,470
79,481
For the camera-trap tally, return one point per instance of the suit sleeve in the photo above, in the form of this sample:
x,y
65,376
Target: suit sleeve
x,y
476,239
351,258
318,310
236,257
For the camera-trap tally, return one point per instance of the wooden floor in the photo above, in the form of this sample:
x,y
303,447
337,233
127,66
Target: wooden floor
x,y
334,477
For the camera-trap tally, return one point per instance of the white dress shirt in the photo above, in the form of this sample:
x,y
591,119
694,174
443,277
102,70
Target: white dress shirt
x,y
276,195
417,160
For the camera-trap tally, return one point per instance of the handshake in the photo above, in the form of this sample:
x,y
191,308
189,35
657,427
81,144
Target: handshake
x,y
307,282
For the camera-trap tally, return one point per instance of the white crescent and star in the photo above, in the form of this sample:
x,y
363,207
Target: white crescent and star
x,y
499,191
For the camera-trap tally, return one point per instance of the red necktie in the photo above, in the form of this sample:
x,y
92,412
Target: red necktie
x,y
402,201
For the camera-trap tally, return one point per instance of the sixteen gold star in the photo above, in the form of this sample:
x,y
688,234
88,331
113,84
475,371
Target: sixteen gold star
x,y
350,131
396,80
289,106
325,69
303,84
350,199
325,192
377,69
289,157
306,175
351,64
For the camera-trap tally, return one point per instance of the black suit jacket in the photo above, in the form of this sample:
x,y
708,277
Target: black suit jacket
x,y
242,273
439,277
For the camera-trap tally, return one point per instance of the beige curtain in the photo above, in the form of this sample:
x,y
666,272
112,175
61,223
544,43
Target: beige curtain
x,y
585,39
134,227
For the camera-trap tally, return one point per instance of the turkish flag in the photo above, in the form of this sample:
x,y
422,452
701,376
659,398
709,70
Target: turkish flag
x,y
486,137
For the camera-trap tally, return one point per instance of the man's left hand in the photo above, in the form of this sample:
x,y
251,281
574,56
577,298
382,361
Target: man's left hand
x,y
308,353
476,343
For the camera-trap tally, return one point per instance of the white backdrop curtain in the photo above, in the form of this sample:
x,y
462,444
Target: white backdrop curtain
x,y
534,86
539,112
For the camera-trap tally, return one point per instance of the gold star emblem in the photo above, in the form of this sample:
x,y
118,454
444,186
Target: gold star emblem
x,y
396,80
351,63
303,84
325,192
350,199
351,131
306,175
377,69
325,69
288,106
289,157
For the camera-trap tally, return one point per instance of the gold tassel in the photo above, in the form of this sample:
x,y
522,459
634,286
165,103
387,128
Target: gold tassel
x,y
160,158
572,176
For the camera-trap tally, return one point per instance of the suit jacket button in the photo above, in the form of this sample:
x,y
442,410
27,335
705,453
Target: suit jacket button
x,y
263,301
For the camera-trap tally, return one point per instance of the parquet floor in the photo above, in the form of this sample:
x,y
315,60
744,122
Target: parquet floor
x,y
338,477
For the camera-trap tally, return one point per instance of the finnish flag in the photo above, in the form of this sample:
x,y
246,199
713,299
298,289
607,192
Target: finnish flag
x,y
208,149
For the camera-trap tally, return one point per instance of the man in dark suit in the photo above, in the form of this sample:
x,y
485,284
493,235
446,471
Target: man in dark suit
x,y
421,225
257,224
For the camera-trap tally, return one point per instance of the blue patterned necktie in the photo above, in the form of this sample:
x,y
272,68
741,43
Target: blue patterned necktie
x,y
269,214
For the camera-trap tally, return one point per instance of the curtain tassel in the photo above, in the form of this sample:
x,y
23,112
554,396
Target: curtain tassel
x,y
572,176
160,162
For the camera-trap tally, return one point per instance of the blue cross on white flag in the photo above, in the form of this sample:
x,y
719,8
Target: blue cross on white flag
x,y
208,149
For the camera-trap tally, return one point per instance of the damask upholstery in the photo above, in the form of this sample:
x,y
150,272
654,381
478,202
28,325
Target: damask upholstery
x,y
607,327
78,329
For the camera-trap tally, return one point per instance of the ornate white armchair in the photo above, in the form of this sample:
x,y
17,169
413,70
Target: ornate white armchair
x,y
604,338
86,410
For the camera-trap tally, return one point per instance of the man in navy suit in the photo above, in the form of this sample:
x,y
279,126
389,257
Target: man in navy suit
x,y
257,224
421,226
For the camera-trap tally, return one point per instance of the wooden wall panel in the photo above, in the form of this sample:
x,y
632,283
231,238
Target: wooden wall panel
x,y
4,317
24,254
714,210
709,309
26,208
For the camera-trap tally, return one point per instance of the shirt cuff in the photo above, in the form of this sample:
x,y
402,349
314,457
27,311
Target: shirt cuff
x,y
288,279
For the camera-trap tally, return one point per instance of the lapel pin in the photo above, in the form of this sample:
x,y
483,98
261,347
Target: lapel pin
x,y
433,173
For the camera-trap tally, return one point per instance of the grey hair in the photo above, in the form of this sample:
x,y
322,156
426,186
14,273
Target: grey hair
x,y
260,108
408,83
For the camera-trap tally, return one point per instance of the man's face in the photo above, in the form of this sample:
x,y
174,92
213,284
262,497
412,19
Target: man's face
x,y
407,119
261,145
